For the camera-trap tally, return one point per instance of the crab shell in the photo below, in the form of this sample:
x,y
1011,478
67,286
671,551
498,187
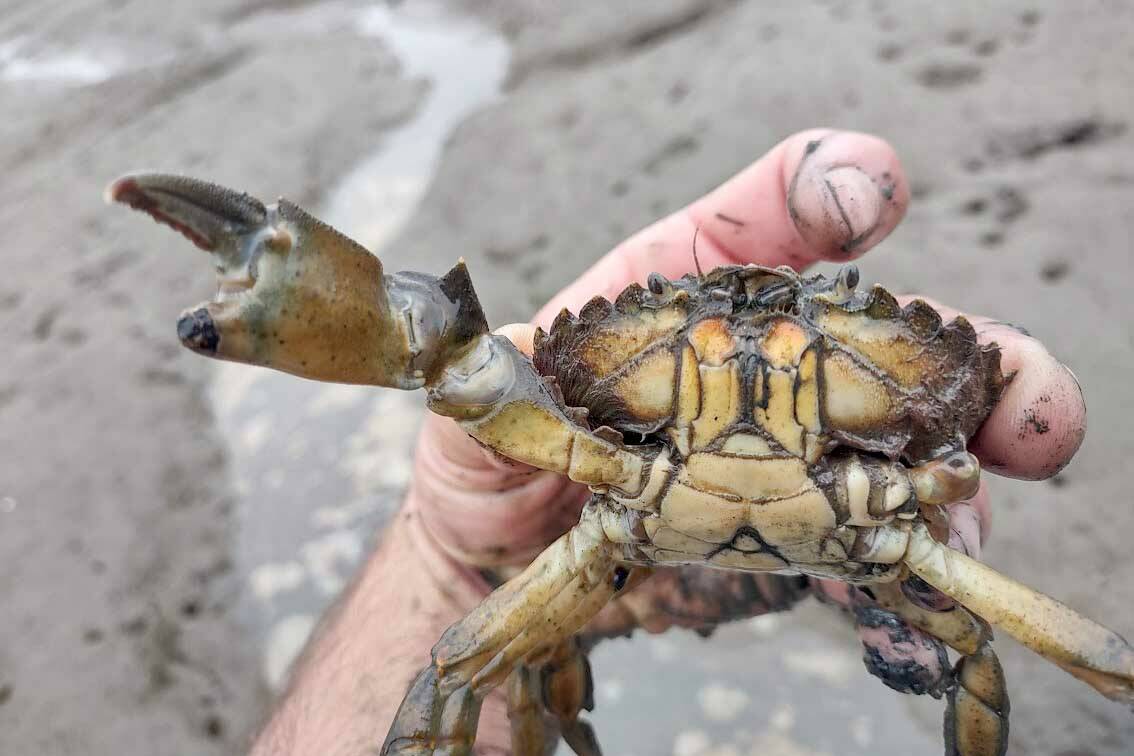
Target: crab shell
x,y
755,381
862,371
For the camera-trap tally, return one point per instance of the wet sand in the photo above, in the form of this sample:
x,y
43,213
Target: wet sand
x,y
169,529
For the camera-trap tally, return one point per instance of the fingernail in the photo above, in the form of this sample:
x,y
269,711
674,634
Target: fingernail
x,y
1075,378
856,201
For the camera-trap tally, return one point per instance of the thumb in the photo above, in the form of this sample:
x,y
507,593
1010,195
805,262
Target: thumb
x,y
520,334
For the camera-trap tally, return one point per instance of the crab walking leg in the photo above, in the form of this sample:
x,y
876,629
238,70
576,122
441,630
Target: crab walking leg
x,y
567,690
976,713
580,736
417,728
559,684
977,707
960,630
525,712
570,610
543,606
525,716
1085,649
581,556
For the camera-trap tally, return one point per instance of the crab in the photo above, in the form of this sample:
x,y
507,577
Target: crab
x,y
749,419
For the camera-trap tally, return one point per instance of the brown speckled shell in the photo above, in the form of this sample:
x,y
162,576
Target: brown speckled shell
x,y
941,380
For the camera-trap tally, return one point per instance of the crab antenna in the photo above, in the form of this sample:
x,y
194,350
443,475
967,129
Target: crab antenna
x,y
696,262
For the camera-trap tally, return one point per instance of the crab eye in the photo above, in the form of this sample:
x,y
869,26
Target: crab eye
x,y
842,288
658,284
773,295
736,291
847,280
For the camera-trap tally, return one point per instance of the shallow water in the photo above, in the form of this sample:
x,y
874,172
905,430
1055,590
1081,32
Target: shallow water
x,y
23,61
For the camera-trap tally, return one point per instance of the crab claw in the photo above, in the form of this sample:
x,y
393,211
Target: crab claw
x,y
296,295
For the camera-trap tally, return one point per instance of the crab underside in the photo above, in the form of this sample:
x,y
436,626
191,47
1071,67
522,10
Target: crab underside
x,y
750,419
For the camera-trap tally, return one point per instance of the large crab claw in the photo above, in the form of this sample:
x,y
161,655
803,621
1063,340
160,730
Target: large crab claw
x,y
296,295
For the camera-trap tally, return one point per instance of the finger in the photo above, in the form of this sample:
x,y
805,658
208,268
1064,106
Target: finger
x,y
520,334
835,591
482,508
818,195
1040,421
964,529
982,506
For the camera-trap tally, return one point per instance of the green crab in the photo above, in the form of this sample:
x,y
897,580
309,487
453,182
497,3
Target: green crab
x,y
748,418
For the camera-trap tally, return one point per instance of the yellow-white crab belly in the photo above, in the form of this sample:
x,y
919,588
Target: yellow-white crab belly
x,y
761,514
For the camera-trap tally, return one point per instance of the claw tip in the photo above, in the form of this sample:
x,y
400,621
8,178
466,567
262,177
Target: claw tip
x,y
198,332
119,189
141,196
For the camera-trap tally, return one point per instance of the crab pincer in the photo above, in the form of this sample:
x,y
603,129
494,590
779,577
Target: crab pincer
x,y
296,295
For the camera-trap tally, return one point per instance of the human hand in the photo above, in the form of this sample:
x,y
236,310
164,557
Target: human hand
x,y
819,195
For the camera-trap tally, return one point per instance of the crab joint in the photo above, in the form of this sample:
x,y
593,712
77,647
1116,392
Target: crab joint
x,y
953,477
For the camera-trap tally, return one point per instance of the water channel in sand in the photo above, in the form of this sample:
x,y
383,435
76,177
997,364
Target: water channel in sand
x,y
318,468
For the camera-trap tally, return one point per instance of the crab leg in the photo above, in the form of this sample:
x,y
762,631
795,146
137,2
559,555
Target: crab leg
x,y
1087,650
495,393
567,690
976,715
580,736
525,712
560,685
977,707
540,608
960,630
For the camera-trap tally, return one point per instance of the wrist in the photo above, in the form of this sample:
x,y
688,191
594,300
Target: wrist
x,y
348,683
